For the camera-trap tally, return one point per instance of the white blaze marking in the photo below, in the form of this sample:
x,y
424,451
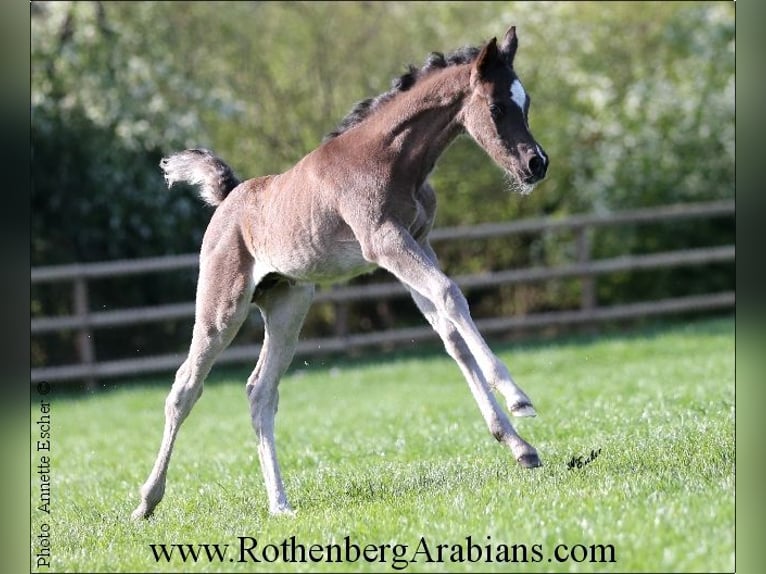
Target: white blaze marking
x,y
541,154
518,95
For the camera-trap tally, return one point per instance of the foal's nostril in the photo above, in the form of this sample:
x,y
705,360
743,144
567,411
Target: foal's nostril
x,y
537,166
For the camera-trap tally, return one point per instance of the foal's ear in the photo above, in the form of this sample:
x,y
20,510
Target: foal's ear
x,y
487,58
509,45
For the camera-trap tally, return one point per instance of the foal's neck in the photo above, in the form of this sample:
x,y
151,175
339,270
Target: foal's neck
x,y
419,124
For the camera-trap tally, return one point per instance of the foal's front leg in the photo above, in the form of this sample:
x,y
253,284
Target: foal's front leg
x,y
498,378
394,249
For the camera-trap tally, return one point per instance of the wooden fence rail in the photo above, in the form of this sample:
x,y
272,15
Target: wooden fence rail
x,y
85,322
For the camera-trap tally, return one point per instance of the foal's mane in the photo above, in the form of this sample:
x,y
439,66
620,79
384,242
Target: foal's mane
x,y
434,61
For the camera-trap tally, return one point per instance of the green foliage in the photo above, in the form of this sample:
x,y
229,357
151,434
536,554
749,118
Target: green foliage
x,y
95,199
634,103
643,120
390,451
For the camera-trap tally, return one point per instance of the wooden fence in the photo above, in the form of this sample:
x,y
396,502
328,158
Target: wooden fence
x,y
86,322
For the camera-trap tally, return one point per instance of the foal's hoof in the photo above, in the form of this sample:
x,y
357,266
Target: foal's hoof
x,y
530,460
285,510
523,410
142,512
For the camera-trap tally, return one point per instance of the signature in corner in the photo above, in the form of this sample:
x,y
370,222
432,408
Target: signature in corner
x,y
581,461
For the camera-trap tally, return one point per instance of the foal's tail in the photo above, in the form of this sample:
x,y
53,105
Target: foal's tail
x,y
202,168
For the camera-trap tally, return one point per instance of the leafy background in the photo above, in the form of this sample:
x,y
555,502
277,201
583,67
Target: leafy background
x,y
633,101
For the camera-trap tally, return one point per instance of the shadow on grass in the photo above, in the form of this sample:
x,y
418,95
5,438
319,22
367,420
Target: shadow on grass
x,y
390,482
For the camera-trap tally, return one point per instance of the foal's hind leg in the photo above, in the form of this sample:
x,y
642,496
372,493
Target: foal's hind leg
x,y
284,308
224,293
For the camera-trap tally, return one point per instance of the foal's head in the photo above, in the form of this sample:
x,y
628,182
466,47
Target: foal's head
x,y
495,114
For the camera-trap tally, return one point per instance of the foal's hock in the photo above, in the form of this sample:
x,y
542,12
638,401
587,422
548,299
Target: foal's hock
x,y
359,201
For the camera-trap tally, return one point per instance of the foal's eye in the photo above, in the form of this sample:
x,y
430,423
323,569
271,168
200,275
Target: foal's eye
x,y
497,110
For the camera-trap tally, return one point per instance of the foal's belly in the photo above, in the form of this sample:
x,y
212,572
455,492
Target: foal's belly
x,y
331,262
340,262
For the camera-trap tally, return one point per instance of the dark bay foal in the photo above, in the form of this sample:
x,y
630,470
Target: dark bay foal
x,y
358,201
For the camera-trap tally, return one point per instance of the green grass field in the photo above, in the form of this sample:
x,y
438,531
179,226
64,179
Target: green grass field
x,y
394,451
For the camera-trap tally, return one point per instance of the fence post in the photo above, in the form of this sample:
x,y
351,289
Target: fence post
x,y
588,283
85,348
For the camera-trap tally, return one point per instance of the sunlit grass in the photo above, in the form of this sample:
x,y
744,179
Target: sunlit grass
x,y
393,450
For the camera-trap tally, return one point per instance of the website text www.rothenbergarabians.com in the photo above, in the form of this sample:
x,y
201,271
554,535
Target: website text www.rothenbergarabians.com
x,y
397,556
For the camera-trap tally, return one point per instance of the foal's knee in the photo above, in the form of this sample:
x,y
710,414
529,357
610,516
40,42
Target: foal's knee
x,y
452,301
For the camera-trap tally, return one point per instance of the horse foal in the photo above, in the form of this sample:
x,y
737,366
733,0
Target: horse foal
x,y
359,200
